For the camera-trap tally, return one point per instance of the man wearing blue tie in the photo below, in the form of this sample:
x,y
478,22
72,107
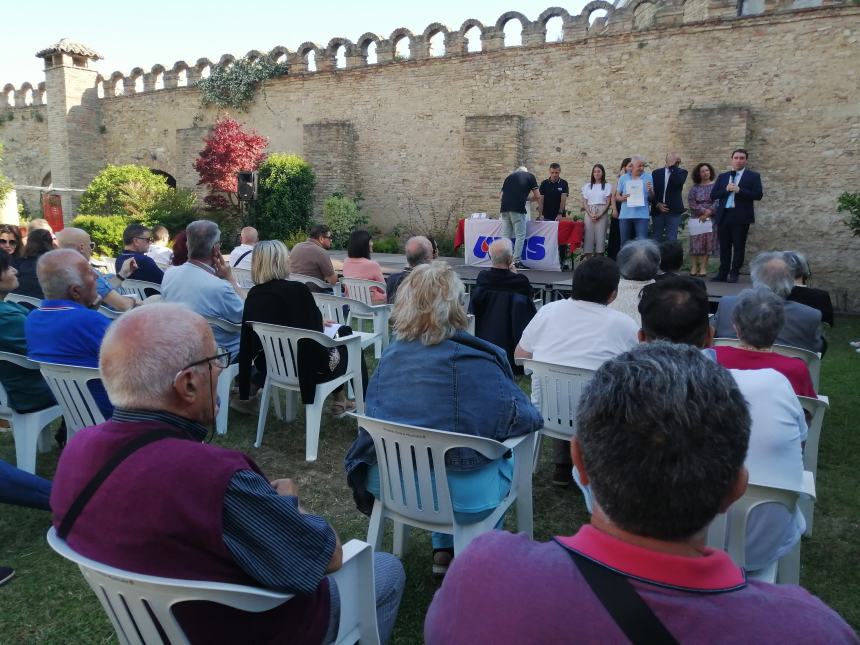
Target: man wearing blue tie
x,y
736,191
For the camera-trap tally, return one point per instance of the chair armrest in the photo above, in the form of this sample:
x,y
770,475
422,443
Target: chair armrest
x,y
346,340
808,484
513,442
357,588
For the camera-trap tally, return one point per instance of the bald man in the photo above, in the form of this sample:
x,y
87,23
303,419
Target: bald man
x,y
240,257
419,250
65,329
502,274
79,240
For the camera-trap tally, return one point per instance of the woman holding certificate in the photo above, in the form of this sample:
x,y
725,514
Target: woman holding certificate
x,y
635,191
703,237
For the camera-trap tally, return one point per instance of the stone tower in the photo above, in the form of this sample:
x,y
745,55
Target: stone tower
x,y
74,119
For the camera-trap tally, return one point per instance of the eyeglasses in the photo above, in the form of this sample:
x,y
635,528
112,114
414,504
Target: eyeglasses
x,y
222,360
8,242
92,246
148,239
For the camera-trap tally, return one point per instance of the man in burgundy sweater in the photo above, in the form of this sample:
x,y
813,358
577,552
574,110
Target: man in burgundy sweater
x,y
179,507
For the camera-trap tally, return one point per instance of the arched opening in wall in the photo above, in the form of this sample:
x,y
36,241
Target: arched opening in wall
x,y
281,59
9,98
437,44
750,7
138,85
159,81
118,87
595,15
555,30
170,179
311,61
371,56
47,181
340,57
28,96
182,78
473,39
513,33
43,96
206,72
401,49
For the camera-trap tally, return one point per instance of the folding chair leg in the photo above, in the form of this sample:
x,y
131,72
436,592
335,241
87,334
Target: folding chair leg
x,y
401,536
264,412
26,436
374,528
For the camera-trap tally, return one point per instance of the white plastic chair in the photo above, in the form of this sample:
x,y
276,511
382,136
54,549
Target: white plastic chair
x,y
729,530
243,277
28,301
110,313
359,289
27,427
228,374
470,324
331,308
322,284
816,409
68,384
139,288
412,493
812,359
140,607
281,347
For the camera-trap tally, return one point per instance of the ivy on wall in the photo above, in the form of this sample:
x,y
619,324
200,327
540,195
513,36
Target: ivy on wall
x,y
234,85
5,182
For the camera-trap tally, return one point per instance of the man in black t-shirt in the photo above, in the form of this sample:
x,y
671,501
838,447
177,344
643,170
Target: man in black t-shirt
x,y
553,199
519,187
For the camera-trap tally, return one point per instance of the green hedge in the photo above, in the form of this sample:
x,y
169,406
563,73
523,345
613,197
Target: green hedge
x,y
128,190
105,231
285,197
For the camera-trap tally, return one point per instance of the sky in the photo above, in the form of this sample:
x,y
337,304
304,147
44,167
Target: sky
x,y
140,34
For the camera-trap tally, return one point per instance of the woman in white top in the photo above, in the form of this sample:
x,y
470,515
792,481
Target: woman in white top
x,y
596,203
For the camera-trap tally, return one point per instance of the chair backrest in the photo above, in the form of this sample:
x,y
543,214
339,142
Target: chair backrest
x,y
812,360
281,347
358,289
68,384
243,277
305,279
223,325
816,409
140,606
139,288
20,361
28,301
409,484
331,307
560,390
110,313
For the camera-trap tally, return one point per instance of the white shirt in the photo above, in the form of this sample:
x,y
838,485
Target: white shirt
x,y
774,458
238,252
595,195
161,254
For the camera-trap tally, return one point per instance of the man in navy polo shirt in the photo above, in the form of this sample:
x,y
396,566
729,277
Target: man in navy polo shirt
x,y
137,239
64,329
553,200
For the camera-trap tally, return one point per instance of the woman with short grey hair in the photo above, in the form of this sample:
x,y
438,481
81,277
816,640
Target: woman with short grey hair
x,y
639,262
802,292
757,318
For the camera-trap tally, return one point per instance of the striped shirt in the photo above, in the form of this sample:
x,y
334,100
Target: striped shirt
x,y
268,536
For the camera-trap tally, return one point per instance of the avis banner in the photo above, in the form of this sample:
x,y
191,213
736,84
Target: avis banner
x,y
540,250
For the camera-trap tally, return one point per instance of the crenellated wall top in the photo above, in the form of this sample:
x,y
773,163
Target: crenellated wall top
x,y
597,18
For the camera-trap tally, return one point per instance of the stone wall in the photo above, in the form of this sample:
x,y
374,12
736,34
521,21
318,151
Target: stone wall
x,y
438,134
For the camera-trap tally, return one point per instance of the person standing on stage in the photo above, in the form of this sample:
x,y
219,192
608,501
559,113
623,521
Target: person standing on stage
x,y
668,205
519,187
736,191
553,199
614,244
596,202
635,211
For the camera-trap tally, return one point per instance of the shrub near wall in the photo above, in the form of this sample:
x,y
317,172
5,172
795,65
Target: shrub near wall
x,y
123,190
342,216
285,197
105,231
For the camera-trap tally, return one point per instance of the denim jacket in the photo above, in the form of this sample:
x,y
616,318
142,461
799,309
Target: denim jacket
x,y
463,384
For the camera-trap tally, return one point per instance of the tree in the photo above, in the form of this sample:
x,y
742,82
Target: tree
x,y
285,197
124,190
5,182
228,150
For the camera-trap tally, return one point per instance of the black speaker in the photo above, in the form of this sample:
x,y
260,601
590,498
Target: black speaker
x,y
247,185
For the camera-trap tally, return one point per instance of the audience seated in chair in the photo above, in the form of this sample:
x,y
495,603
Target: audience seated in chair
x,y
638,261
580,331
677,310
502,301
419,250
311,257
804,294
241,256
137,239
802,326
646,535
438,376
757,317
158,250
39,242
206,284
182,508
66,329
359,265
277,300
671,261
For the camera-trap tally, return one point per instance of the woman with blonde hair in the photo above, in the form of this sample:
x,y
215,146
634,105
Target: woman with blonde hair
x,y
452,382
277,300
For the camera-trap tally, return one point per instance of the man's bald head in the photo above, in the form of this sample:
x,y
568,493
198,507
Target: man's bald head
x,y
501,253
65,274
418,250
76,239
249,235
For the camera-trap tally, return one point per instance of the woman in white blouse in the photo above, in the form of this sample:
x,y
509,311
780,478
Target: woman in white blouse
x,y
596,203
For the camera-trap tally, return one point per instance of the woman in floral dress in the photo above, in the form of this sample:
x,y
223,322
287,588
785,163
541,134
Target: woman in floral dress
x,y
701,205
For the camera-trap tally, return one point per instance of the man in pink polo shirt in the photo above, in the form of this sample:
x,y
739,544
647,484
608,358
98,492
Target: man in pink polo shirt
x,y
662,433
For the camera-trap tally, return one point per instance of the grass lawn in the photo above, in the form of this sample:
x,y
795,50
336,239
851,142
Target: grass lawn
x,y
49,602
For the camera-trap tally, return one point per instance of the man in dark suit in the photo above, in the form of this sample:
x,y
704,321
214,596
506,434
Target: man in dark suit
x,y
736,191
668,204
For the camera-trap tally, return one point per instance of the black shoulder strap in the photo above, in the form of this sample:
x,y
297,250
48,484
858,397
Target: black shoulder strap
x,y
90,489
632,615
242,257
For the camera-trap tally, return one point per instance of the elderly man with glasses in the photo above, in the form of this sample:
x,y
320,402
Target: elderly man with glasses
x,y
137,239
179,507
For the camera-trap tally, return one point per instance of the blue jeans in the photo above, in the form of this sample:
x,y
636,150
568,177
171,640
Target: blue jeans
x,y
20,488
389,579
514,225
665,226
633,229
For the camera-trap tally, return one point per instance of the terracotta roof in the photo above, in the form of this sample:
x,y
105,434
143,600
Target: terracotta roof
x,y
67,46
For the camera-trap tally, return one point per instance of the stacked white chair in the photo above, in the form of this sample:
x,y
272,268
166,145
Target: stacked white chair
x,y
280,345
140,607
228,374
140,289
27,427
69,385
414,494
28,301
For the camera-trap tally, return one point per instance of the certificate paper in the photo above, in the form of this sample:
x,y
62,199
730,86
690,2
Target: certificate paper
x,y
698,228
636,193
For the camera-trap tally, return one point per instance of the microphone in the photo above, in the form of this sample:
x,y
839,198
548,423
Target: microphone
x,y
734,174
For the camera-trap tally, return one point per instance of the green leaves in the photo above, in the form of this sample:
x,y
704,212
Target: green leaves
x,y
235,84
850,202
285,197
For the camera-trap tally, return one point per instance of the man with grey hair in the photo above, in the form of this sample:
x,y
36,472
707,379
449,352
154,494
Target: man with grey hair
x,y
180,507
65,329
206,284
802,326
639,262
518,188
805,294
419,250
640,570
